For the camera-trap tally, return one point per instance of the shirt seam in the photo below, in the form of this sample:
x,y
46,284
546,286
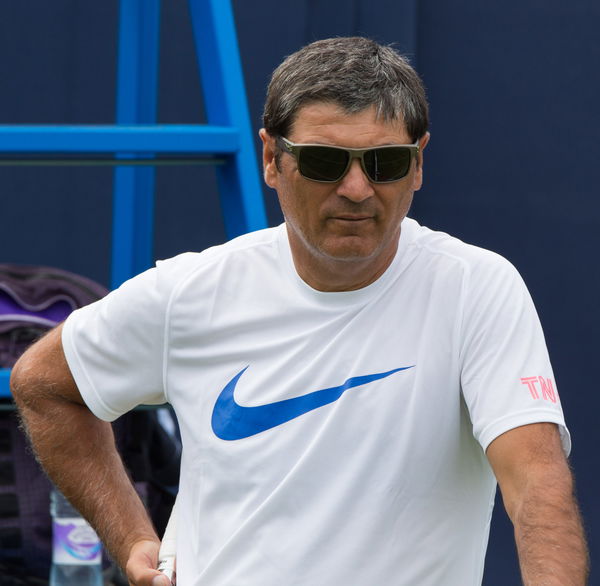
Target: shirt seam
x,y
107,412
464,288
214,258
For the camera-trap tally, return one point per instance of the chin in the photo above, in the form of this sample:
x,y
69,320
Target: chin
x,y
349,250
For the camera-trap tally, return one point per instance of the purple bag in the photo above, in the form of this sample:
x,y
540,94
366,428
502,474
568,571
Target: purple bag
x,y
33,299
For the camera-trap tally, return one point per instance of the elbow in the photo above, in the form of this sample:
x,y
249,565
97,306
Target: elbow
x,y
29,386
19,384
41,376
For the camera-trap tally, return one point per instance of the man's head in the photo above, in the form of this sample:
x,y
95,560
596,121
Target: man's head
x,y
355,73
343,206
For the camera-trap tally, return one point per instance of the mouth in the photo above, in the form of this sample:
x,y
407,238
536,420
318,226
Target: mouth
x,y
352,218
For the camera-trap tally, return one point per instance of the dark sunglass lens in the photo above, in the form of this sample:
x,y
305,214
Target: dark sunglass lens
x,y
322,163
387,164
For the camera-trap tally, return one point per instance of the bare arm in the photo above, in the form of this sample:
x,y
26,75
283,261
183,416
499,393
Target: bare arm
x,y
537,489
78,452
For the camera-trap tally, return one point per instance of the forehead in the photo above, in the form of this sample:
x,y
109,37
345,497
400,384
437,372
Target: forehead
x,y
328,123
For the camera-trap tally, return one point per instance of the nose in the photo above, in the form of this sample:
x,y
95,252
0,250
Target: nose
x,y
355,185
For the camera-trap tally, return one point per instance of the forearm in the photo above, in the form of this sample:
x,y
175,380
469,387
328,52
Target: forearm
x,y
549,535
78,452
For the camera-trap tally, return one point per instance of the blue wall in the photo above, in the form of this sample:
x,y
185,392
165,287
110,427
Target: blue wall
x,y
512,164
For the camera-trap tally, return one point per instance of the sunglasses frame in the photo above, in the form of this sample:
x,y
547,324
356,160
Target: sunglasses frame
x,y
295,149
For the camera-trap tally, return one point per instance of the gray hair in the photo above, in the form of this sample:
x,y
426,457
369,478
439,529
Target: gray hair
x,y
352,72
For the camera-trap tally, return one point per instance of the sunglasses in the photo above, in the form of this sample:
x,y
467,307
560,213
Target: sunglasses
x,y
328,164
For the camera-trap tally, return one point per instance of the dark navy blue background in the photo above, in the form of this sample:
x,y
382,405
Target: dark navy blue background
x,y
512,164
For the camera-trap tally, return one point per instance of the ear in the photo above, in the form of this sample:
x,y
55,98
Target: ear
x,y
418,176
270,170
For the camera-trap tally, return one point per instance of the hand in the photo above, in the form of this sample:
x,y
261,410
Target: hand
x,y
141,565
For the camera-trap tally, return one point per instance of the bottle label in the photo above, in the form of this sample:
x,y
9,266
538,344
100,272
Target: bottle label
x,y
75,543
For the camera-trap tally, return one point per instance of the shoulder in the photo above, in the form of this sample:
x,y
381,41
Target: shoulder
x,y
197,276
179,269
448,253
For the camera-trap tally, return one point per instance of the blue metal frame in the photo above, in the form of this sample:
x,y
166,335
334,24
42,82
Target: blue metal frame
x,y
133,192
225,102
228,133
4,378
142,139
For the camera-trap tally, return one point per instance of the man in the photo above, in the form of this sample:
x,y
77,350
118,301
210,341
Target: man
x,y
349,385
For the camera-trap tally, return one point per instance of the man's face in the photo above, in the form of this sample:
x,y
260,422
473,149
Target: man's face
x,y
352,221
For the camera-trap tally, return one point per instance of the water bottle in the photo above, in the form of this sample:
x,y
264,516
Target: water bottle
x,y
76,549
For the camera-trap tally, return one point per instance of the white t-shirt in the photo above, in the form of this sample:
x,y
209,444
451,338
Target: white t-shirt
x,y
328,438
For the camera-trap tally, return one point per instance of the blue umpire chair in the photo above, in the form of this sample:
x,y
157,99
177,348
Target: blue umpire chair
x,y
135,145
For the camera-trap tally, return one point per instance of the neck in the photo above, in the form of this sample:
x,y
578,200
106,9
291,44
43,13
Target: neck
x,y
328,274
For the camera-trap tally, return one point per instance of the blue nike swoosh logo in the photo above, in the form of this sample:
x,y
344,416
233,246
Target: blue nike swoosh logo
x,y
231,421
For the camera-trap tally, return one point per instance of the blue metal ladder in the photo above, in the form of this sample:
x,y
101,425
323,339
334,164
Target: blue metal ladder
x,y
135,143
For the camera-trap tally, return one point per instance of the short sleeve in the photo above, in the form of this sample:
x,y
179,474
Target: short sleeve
x,y
506,375
115,347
